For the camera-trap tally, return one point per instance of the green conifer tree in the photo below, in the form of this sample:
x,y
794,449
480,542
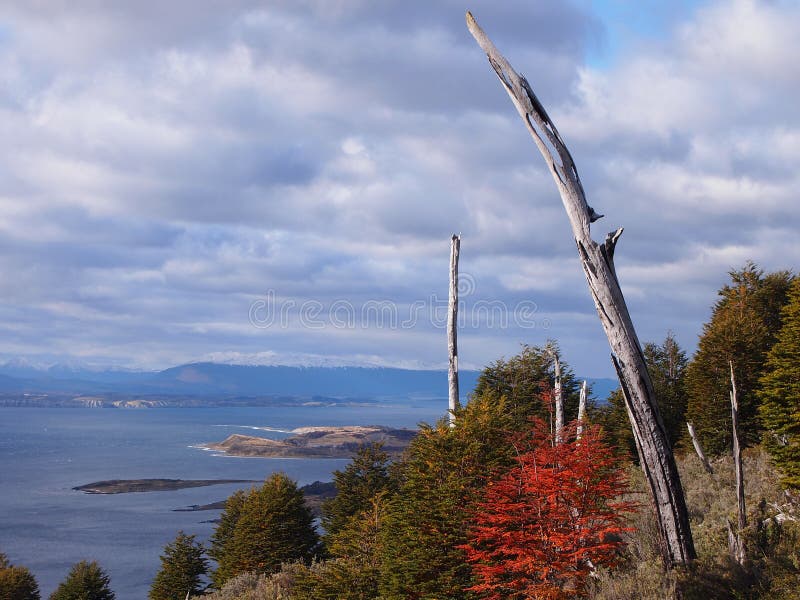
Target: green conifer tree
x,y
426,524
666,363
16,583
524,380
613,418
274,526
742,328
354,572
780,393
440,479
361,480
85,581
183,565
221,539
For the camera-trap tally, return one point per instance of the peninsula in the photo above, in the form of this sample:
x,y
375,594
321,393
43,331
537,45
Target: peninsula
x,y
317,442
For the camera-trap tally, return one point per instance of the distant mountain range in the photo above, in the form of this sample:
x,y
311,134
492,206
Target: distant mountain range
x,y
206,379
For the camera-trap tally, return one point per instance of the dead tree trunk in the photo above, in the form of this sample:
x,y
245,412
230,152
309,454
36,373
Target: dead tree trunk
x,y
558,396
652,444
737,546
581,410
699,449
452,326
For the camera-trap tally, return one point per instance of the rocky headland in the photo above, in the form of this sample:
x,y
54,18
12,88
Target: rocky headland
x,y
317,442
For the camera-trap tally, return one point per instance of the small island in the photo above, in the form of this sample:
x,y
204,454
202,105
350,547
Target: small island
x,y
125,486
314,494
317,442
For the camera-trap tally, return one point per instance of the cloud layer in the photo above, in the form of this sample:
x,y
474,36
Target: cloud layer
x,y
165,168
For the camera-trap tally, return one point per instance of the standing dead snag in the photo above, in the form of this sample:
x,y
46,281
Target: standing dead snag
x,y
581,410
452,325
736,542
558,396
655,454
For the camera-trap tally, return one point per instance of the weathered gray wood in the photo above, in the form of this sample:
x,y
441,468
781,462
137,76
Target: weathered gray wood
x,y
558,397
738,550
581,410
699,449
452,326
657,460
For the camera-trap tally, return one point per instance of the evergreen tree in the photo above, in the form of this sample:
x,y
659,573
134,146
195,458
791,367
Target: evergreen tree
x,y
85,581
441,476
182,567
16,583
358,550
221,539
524,380
742,328
666,364
613,418
274,526
780,393
361,480
426,524
353,520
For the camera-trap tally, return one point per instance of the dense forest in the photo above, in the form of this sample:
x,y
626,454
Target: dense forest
x,y
499,505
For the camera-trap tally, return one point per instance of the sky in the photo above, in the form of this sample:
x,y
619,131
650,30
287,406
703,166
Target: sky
x,y
277,182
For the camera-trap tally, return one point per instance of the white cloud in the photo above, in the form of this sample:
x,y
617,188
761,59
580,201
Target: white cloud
x,y
167,165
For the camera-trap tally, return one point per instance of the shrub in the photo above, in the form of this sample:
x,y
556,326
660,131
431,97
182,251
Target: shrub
x,y
542,528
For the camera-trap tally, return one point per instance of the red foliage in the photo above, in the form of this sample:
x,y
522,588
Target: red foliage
x,y
541,527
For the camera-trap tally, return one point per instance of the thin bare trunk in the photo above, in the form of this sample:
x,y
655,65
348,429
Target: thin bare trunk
x,y
699,449
597,260
738,548
452,326
581,410
558,396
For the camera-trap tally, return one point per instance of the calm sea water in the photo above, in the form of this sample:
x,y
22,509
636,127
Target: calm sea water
x,y
44,453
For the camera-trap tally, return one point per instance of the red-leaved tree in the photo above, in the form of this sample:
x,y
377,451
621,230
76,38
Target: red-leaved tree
x,y
542,527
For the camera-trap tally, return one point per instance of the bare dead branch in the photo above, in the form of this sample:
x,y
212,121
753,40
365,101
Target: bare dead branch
x,y
699,449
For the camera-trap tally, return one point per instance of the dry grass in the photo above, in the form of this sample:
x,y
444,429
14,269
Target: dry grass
x,y
774,568
256,586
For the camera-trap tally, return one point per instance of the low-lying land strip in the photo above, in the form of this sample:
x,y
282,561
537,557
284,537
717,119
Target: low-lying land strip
x,y
125,486
314,493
